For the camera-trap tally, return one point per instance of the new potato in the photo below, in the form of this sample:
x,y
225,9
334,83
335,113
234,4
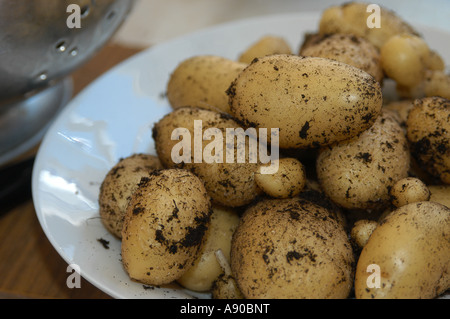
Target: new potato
x,y
312,101
428,131
352,17
229,184
358,173
119,184
165,226
201,81
346,48
291,248
411,246
409,190
206,269
267,45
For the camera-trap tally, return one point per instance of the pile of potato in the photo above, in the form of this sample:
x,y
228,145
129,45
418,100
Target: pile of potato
x,y
361,180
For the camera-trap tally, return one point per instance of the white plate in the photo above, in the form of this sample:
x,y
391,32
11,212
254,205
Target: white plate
x,y
113,119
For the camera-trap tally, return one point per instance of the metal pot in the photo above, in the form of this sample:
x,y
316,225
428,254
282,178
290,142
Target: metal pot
x,y
39,48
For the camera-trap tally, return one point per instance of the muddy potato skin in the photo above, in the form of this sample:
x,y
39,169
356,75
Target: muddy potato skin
x,y
291,248
165,225
206,269
351,18
267,45
118,186
229,184
409,190
428,131
411,247
361,231
346,48
288,181
313,101
201,81
358,173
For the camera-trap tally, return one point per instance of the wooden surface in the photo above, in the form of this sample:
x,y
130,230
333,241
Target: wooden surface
x,y
29,265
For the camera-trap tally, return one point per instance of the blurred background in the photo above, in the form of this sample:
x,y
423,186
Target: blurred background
x,y
154,21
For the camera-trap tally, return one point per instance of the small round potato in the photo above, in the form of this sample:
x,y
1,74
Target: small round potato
x,y
353,18
312,101
201,81
287,182
229,183
119,184
403,59
267,45
291,248
411,250
409,190
428,131
346,48
206,269
361,231
164,227
358,173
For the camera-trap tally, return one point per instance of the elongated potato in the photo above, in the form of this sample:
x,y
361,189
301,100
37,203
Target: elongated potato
x,y
165,226
411,249
312,101
201,81
291,248
358,173
353,17
428,131
267,45
346,48
229,183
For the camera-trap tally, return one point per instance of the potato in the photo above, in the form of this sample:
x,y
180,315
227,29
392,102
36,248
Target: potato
x,y
401,108
409,190
312,101
287,182
348,49
267,45
352,18
164,227
411,248
291,248
118,186
225,286
403,59
201,81
230,184
428,131
440,194
437,83
206,269
361,231
358,173
434,62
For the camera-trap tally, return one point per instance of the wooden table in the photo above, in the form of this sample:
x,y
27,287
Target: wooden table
x,y
29,265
